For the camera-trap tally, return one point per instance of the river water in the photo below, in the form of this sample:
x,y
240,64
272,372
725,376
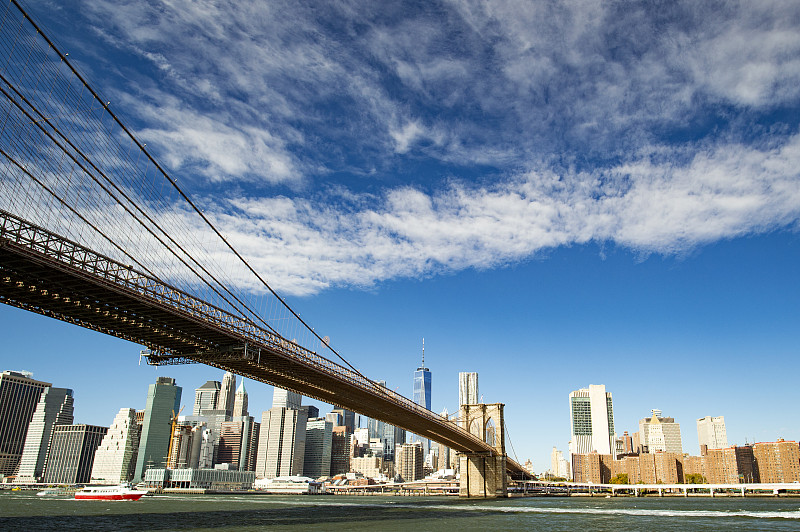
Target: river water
x,y
23,511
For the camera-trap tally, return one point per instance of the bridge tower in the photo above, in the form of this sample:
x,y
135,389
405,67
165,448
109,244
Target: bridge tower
x,y
484,474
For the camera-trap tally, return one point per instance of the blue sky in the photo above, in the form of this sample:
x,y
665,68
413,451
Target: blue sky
x,y
552,194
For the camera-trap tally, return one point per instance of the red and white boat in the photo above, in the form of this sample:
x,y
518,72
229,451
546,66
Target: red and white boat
x,y
109,493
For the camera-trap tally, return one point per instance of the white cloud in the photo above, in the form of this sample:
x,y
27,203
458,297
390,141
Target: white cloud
x,y
305,246
586,110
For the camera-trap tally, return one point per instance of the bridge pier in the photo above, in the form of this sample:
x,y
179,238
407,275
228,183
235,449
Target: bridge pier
x,y
483,475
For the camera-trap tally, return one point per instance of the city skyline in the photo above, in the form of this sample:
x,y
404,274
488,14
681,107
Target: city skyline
x,y
280,397
619,206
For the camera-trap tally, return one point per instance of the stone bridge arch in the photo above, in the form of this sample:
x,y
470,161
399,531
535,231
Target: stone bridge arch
x,y
484,474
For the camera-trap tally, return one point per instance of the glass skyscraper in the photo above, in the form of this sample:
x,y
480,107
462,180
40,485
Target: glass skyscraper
x,y
422,383
592,421
422,387
163,402
422,392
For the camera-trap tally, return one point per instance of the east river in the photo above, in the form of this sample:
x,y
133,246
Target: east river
x,y
23,511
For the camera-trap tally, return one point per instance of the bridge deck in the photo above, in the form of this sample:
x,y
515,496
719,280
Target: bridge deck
x,y
45,273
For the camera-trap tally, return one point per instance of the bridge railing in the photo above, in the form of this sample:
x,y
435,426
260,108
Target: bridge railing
x,y
70,253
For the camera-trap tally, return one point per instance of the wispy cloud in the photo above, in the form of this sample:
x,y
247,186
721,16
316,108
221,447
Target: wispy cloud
x,y
502,128
307,245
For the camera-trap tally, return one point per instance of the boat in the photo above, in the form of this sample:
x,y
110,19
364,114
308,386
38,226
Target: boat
x,y
293,485
123,492
53,492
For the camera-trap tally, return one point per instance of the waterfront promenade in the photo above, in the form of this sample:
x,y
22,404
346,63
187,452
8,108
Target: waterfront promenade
x,y
712,490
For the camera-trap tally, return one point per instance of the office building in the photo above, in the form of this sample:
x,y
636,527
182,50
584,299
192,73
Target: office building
x,y
348,418
227,394
340,450
240,402
422,383
319,437
72,452
54,408
19,397
238,443
592,419
422,395
410,459
250,431
206,397
376,427
192,444
388,434
282,438
310,410
628,446
392,437
200,479
559,466
369,466
163,405
711,433
214,420
286,399
229,450
660,434
115,458
468,388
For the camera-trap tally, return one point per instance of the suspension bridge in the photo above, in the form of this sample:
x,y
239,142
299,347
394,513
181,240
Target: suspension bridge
x,y
95,232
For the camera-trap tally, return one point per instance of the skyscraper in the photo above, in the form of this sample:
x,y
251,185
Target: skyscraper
x,y
340,450
206,397
348,418
392,437
317,460
240,401
227,393
410,460
286,398
250,432
72,452
54,408
115,458
660,434
192,445
422,383
19,396
230,443
468,388
422,394
711,433
163,402
282,438
592,420
559,466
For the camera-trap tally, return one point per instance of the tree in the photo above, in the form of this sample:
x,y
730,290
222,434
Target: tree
x,y
695,478
620,478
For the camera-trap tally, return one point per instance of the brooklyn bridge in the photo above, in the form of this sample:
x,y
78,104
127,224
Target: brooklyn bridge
x,y
95,232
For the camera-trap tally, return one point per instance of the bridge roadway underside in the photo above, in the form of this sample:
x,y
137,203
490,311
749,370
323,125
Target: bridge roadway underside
x,y
40,283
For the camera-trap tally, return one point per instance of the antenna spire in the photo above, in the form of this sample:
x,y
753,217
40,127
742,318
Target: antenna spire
x,y
423,352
